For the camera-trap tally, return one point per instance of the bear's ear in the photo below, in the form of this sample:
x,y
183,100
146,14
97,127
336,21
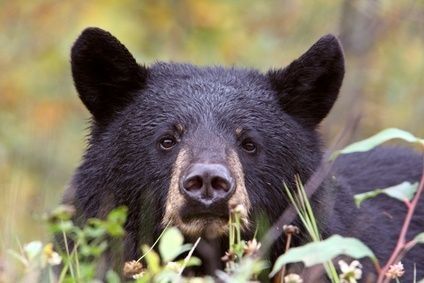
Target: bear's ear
x,y
308,87
105,73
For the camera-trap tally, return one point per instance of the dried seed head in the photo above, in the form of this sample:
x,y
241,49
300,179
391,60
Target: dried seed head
x,y
290,229
132,268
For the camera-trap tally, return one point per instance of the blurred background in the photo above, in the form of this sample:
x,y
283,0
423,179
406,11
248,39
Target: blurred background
x,y
43,125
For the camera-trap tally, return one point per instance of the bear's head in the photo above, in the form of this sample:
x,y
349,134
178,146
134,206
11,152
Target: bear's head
x,y
179,144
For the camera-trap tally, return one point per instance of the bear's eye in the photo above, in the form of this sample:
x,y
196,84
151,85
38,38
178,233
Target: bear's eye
x,y
167,142
248,145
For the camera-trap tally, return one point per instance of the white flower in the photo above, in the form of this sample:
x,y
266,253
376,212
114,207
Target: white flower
x,y
251,248
238,209
33,249
50,256
138,275
395,271
293,278
350,273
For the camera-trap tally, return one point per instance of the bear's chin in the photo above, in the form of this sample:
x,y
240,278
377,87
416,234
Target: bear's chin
x,y
204,227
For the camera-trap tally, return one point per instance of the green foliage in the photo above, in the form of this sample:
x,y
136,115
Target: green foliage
x,y
378,139
419,238
241,260
160,268
403,191
171,244
304,210
324,251
83,246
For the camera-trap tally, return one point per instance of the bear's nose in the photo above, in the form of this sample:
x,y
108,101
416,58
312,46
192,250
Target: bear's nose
x,y
207,183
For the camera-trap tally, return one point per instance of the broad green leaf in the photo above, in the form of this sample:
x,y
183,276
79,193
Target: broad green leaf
x,y
171,244
152,259
400,192
379,138
419,238
323,251
118,215
114,229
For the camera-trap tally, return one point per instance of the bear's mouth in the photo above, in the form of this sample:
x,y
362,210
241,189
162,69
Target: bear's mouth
x,y
193,211
204,215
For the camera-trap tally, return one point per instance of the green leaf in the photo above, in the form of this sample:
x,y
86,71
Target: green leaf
x,y
62,226
192,261
118,215
171,244
419,238
114,229
152,259
379,138
112,277
94,231
323,251
400,192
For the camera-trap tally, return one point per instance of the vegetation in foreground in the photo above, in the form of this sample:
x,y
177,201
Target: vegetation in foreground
x,y
84,246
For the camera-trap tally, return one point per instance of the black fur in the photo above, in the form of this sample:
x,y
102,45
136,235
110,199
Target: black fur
x,y
134,106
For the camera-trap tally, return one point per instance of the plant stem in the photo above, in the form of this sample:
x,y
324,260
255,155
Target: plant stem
x,y
288,242
67,252
401,243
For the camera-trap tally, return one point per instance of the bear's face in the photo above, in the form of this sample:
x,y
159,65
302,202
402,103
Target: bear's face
x,y
196,140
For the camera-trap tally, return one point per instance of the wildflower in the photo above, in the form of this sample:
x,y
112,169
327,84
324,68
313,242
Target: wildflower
x,y
351,272
133,269
33,249
293,278
50,256
395,271
252,247
138,275
238,209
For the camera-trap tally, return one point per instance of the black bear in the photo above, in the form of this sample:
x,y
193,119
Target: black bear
x,y
177,144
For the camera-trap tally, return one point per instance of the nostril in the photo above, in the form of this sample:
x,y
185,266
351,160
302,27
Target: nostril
x,y
220,184
193,184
